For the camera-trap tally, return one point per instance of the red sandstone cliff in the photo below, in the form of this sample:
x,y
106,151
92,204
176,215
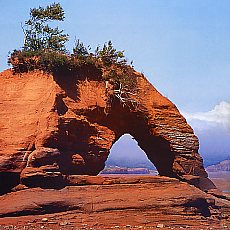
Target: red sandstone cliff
x,y
55,126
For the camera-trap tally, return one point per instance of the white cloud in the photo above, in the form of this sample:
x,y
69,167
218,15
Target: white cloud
x,y
219,115
213,131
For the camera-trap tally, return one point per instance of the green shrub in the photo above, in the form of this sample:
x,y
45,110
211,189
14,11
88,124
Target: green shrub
x,y
79,50
46,60
109,55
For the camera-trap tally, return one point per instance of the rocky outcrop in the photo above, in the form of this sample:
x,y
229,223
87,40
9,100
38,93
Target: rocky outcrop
x,y
105,202
222,166
55,126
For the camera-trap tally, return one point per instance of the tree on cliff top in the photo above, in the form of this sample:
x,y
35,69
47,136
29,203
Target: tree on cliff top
x,y
44,49
39,35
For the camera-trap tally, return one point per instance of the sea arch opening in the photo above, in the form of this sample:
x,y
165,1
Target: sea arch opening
x,y
152,146
126,157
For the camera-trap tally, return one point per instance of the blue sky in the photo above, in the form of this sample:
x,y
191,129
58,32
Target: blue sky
x,y
182,46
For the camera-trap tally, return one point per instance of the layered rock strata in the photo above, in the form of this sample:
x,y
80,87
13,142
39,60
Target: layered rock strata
x,y
114,202
55,126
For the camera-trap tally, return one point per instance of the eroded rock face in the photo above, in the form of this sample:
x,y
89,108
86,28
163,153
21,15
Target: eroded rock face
x,y
51,127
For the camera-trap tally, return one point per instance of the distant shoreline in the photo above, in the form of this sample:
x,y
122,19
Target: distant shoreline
x,y
221,179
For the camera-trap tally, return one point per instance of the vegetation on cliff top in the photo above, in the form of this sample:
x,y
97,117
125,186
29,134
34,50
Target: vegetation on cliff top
x,y
44,46
44,49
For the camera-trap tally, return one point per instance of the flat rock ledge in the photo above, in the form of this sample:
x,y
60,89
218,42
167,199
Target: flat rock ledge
x,y
105,202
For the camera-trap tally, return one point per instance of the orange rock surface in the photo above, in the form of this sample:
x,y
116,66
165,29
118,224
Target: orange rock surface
x,y
54,126
56,132
96,202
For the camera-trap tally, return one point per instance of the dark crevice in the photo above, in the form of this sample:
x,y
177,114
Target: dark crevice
x,y
55,207
8,180
202,206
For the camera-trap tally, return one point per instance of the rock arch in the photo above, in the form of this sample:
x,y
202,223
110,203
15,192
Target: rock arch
x,y
155,147
126,152
67,130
